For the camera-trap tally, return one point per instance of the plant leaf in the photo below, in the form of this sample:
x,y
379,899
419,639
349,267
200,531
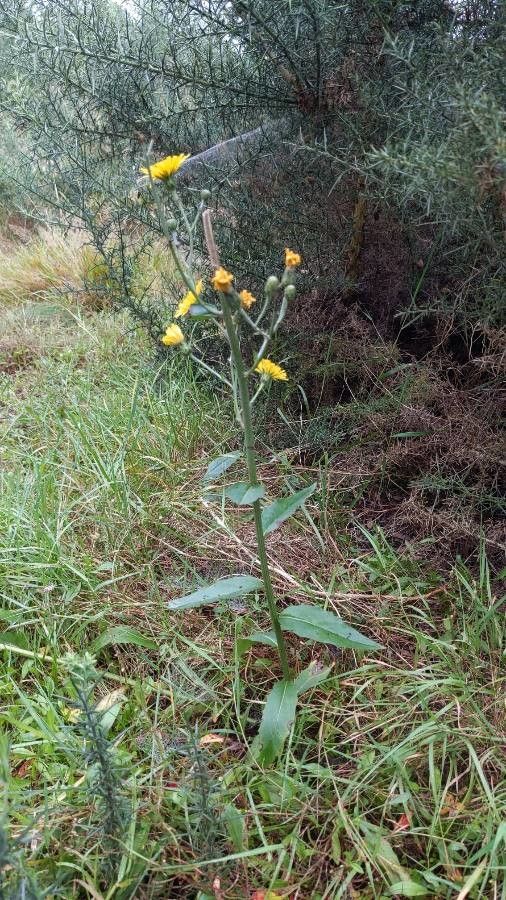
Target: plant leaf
x,y
276,513
220,465
408,889
335,842
243,493
409,434
258,637
310,677
234,823
198,311
384,854
122,634
13,639
110,706
320,625
278,715
224,589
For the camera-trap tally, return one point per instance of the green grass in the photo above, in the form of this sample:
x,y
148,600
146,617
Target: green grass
x,y
393,780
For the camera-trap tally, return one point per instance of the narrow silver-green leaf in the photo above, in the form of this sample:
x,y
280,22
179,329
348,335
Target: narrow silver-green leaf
x,y
277,718
320,625
258,637
220,465
224,589
199,311
276,513
122,634
244,494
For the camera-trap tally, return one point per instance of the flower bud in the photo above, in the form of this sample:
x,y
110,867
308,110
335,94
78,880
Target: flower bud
x,y
290,291
272,284
205,195
171,224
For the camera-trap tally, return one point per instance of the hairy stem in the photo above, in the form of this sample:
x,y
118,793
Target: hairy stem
x,y
249,452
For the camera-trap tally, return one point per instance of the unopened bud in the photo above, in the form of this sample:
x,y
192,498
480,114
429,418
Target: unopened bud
x,y
272,284
171,224
205,195
290,291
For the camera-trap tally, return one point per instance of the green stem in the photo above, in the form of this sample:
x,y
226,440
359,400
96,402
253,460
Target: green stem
x,y
189,229
251,323
249,452
188,280
203,365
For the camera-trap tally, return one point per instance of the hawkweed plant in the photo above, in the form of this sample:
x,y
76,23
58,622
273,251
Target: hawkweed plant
x,y
234,312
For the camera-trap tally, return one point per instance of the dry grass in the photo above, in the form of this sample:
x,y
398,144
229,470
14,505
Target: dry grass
x,y
50,260
37,266
412,444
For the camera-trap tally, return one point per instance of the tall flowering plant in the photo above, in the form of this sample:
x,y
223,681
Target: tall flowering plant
x,y
234,311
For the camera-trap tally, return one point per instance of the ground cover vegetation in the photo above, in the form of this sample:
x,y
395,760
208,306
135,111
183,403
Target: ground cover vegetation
x,y
149,744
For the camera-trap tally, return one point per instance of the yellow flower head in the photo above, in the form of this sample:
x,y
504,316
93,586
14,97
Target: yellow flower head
x,y
271,370
173,336
247,299
292,259
222,280
189,299
165,168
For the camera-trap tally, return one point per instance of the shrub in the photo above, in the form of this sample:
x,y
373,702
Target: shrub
x,y
372,129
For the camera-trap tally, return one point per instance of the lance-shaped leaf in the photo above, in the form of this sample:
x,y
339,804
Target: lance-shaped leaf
x,y
277,718
244,494
258,637
280,707
320,625
218,466
122,634
310,677
224,589
236,826
401,882
276,513
199,311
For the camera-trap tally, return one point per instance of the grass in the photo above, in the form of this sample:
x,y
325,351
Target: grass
x,y
393,780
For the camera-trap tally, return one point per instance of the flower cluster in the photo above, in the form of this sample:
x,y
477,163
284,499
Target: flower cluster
x,y
223,282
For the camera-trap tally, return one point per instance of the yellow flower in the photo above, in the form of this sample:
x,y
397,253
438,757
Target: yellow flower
x,y
167,167
173,336
189,299
271,370
222,280
292,259
247,299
